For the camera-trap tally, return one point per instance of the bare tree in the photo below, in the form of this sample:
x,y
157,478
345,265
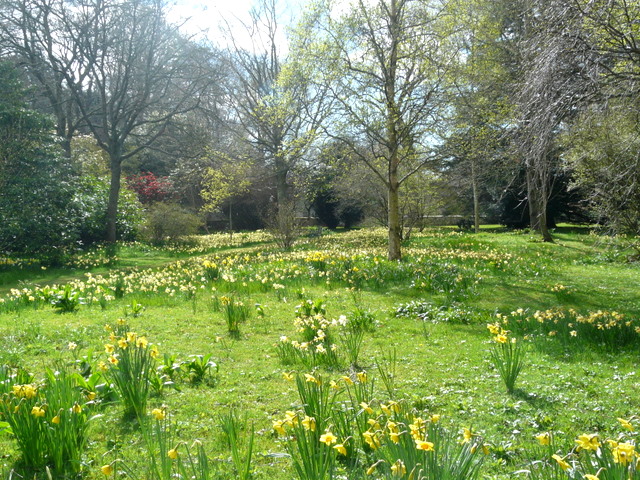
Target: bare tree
x,y
272,107
127,71
385,65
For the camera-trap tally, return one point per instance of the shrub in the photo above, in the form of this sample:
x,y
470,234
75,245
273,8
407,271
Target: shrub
x,y
168,222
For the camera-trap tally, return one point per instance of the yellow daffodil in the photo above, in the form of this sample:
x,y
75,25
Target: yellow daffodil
x,y
424,445
544,438
328,438
588,442
309,423
588,476
153,352
55,420
172,454
340,449
278,427
347,380
37,412
311,379
106,469
467,435
108,348
435,418
158,413
76,408
561,462
398,469
624,453
625,424
287,376
362,377
365,406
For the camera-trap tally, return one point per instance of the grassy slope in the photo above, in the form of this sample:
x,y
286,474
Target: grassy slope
x,y
443,368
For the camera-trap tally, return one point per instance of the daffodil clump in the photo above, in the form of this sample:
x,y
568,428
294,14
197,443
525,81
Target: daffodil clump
x,y
507,355
341,430
130,364
317,345
592,457
49,419
601,327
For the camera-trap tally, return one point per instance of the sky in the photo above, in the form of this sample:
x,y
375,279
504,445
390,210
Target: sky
x,y
204,17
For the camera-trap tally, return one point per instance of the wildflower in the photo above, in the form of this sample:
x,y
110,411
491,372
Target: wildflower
x,y
108,348
106,469
102,366
365,406
544,438
24,391
573,333
172,454
122,343
398,469
91,396
385,409
142,342
588,476
309,423
626,424
278,427
371,439
287,376
158,413
311,379
37,412
623,453
153,352
564,465
72,345
588,442
55,420
467,435
328,438
362,377
372,468
435,418
501,338
76,408
347,380
340,449
423,445
113,360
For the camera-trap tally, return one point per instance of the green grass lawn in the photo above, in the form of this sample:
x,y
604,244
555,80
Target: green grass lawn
x,y
449,286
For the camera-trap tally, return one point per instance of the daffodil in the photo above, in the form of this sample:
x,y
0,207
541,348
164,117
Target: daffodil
x,y
398,469
37,412
287,376
365,406
561,462
56,420
106,469
309,423
624,453
158,413
172,454
544,438
424,445
278,427
588,441
340,449
626,424
328,438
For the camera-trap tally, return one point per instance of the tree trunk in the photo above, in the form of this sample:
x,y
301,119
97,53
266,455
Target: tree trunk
x,y
282,189
532,200
395,234
114,193
476,202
